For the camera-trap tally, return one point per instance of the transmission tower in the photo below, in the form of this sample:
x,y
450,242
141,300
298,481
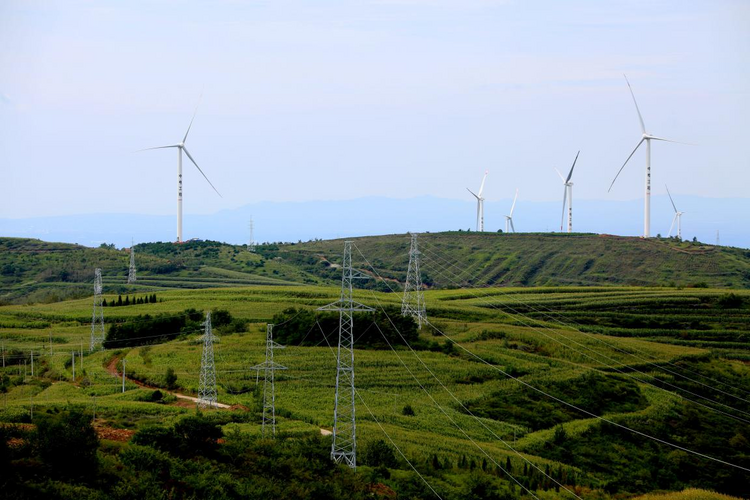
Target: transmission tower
x,y
269,366
97,318
344,447
251,242
207,383
413,302
131,269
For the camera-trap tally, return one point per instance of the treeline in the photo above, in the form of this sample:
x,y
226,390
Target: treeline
x,y
146,329
146,299
374,330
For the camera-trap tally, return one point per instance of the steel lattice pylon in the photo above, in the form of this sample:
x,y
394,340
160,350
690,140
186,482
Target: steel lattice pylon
x,y
269,390
344,447
207,383
412,303
131,268
97,318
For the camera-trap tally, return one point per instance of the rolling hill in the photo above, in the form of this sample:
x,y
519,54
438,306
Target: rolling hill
x,y
33,270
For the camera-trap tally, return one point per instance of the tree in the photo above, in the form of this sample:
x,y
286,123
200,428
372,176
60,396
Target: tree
x,y
170,378
379,453
67,443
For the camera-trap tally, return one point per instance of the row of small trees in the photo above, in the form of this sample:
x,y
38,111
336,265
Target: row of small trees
x,y
146,299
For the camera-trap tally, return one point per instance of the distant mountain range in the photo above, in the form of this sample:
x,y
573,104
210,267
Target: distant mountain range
x,y
303,221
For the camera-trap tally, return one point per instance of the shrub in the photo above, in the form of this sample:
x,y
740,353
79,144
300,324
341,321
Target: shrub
x,y
67,443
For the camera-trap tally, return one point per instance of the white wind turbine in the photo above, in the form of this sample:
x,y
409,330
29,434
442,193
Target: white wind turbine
x,y
568,195
509,218
677,218
480,203
180,148
647,138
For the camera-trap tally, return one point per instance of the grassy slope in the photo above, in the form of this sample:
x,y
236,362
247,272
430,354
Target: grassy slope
x,y
481,321
32,270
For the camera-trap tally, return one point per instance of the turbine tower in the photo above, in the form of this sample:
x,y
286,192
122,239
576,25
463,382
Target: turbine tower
x,y
480,203
509,218
269,389
413,302
97,318
251,242
131,269
677,217
568,196
647,138
344,447
207,383
180,149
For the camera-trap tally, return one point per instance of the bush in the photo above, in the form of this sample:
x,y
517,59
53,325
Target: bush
x,y
170,379
408,411
67,443
379,453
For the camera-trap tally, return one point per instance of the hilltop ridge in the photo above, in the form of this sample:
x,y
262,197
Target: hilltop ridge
x,y
34,270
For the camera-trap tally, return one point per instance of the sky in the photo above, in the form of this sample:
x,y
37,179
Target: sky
x,y
303,101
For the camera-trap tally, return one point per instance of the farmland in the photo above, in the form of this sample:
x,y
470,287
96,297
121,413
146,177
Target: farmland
x,y
477,404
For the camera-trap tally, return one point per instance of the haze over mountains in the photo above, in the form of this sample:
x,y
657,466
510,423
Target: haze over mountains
x,y
308,220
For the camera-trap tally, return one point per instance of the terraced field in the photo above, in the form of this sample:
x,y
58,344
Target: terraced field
x,y
491,363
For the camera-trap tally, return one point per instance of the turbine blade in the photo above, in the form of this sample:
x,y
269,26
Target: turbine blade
x,y
512,226
565,199
670,140
481,187
561,176
201,171
571,168
513,206
159,147
643,127
626,162
191,121
670,199
472,193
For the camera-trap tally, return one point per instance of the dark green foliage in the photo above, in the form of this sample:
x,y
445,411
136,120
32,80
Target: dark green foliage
x,y
375,330
224,323
170,378
408,411
67,443
593,392
191,436
629,462
147,329
730,301
379,453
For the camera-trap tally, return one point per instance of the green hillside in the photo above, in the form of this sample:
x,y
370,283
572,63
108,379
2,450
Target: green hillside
x,y
37,271
509,393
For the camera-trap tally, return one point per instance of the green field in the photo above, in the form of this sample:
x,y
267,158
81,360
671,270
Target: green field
x,y
668,362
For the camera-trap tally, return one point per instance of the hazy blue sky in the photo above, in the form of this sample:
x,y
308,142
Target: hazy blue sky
x,y
329,100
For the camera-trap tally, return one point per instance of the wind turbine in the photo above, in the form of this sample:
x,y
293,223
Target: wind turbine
x,y
676,218
647,138
180,148
509,218
480,203
568,194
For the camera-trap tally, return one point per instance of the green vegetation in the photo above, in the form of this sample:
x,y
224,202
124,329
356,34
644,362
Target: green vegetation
x,y
377,329
668,362
36,271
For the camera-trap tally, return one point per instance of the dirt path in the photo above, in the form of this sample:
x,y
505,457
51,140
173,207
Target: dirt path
x,y
112,369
